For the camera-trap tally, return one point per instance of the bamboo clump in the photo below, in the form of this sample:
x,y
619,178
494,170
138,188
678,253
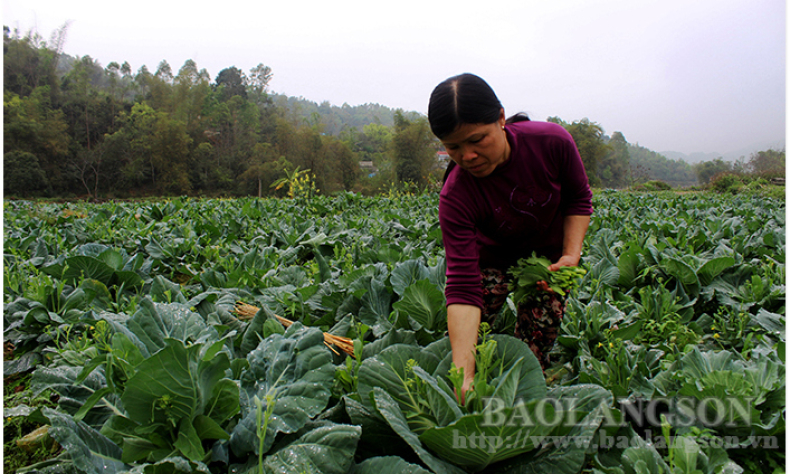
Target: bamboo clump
x,y
247,311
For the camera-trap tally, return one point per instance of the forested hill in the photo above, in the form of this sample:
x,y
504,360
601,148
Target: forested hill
x,y
75,127
334,118
655,166
337,118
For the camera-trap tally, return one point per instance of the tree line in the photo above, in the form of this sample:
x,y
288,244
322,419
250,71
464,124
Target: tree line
x,y
766,164
75,128
612,162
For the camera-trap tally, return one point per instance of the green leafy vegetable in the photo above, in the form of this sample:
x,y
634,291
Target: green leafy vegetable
x,y
531,276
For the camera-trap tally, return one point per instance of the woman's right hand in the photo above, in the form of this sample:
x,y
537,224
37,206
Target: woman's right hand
x,y
463,322
465,388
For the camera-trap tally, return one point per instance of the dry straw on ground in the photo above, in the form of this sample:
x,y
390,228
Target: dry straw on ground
x,y
247,311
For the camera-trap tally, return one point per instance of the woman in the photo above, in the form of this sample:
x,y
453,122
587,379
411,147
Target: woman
x,y
515,187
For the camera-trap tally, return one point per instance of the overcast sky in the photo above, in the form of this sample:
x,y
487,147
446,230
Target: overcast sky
x,y
680,75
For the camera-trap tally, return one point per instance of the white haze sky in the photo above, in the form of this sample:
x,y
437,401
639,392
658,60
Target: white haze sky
x,y
681,75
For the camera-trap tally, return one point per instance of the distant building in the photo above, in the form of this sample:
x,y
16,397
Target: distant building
x,y
367,167
442,159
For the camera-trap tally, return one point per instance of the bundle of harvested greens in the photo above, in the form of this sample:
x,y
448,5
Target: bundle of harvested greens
x,y
532,276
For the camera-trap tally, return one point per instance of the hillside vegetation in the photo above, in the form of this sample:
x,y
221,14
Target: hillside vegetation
x,y
76,128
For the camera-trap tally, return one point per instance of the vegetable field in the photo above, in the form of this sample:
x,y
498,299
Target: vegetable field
x,y
125,348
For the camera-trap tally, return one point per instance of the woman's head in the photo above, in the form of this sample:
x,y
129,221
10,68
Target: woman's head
x,y
462,99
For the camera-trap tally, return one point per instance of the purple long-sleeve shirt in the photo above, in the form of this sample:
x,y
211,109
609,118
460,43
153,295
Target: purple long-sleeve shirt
x,y
519,208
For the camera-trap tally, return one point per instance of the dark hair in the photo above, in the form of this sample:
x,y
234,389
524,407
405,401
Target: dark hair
x,y
462,99
465,98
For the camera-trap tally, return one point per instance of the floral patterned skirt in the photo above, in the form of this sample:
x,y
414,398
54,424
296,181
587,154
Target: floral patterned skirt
x,y
538,320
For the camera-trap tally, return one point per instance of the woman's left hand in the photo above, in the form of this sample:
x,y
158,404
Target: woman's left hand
x,y
565,261
574,227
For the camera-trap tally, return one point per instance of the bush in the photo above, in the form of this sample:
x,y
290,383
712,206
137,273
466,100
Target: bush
x,y
651,186
726,183
22,174
752,185
762,187
768,164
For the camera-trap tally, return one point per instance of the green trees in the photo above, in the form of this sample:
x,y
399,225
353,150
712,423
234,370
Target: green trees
x,y
142,80
83,102
592,148
22,174
259,79
724,176
190,91
614,168
262,164
374,141
152,151
108,131
131,147
412,150
74,127
649,165
231,82
345,162
35,138
768,163
708,169
309,154
28,63
615,163
169,156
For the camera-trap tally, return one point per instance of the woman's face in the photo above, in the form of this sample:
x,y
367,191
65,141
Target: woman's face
x,y
479,148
